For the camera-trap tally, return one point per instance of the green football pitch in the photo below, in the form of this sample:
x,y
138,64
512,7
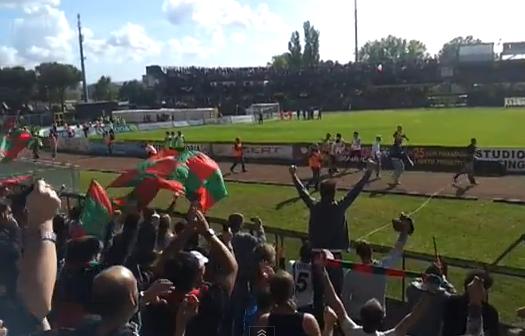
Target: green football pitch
x,y
477,230
493,127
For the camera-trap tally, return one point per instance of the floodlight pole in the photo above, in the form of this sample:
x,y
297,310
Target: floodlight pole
x,y
82,58
355,31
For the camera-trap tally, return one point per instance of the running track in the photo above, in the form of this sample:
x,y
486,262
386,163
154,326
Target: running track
x,y
508,187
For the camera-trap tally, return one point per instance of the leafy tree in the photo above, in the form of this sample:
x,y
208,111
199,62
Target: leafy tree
x,y
280,62
136,93
104,89
54,78
392,49
295,51
311,45
450,50
16,86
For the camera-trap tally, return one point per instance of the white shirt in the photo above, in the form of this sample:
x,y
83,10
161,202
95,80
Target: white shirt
x,y
302,276
356,144
338,147
350,328
376,148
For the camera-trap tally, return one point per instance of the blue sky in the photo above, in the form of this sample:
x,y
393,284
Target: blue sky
x,y
123,36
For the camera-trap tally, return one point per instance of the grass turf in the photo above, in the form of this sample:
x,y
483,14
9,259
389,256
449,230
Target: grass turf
x,y
478,230
494,127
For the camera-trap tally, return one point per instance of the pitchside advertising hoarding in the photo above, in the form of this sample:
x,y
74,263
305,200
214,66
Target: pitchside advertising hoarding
x,y
432,158
256,151
512,158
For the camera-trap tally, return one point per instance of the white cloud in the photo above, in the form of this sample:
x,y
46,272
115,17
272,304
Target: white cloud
x,y
129,42
212,14
238,38
28,5
42,33
8,56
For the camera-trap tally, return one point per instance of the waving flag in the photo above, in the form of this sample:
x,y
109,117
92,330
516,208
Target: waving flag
x,y
187,172
371,269
12,144
97,211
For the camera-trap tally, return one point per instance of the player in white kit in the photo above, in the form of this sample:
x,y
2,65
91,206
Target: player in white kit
x,y
356,150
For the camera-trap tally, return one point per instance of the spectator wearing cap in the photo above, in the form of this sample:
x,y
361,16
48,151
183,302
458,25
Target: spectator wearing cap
x,y
187,270
243,244
459,307
434,282
284,319
360,287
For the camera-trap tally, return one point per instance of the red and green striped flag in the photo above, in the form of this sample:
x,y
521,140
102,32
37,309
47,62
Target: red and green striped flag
x,y
202,178
186,172
12,144
97,211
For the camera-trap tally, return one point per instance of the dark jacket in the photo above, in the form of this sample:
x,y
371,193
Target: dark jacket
x,y
455,317
328,228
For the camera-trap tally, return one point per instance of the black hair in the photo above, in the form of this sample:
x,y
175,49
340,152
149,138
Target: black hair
x,y
483,275
372,315
235,221
82,250
9,255
327,189
363,249
305,252
182,269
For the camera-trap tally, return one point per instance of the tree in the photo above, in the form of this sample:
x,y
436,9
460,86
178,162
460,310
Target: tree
x,y
136,93
311,45
450,50
295,51
280,62
392,49
104,89
54,78
16,86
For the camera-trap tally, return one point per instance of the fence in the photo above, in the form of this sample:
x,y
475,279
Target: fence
x,y
59,175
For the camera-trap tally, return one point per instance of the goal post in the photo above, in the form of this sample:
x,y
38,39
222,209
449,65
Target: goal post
x,y
514,101
268,110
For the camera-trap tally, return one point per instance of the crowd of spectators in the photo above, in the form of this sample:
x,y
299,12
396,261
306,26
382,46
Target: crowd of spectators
x,y
336,86
151,276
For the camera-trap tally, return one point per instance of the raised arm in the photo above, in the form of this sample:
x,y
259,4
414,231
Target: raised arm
x,y
396,252
259,233
411,319
303,193
38,265
225,258
334,302
357,188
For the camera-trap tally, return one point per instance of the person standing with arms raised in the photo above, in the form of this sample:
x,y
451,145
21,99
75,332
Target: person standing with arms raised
x,y
328,228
